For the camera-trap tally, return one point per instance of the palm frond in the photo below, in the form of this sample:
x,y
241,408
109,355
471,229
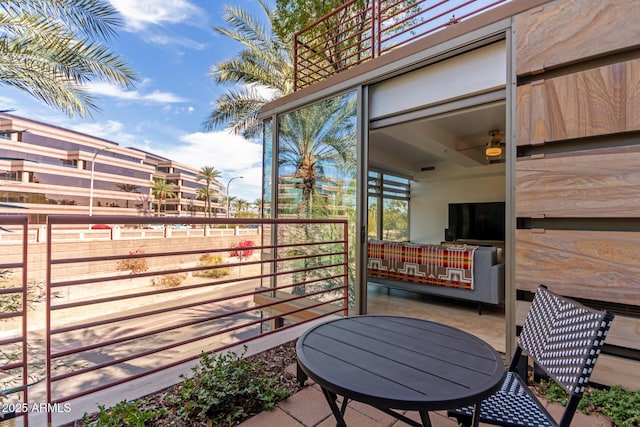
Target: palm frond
x,y
48,49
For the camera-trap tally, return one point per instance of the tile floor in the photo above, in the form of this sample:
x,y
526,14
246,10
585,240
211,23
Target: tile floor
x,y
308,408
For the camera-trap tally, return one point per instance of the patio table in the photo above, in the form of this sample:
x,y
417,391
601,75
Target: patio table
x,y
398,363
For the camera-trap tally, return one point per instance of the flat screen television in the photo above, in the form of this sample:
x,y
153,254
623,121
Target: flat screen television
x,y
476,221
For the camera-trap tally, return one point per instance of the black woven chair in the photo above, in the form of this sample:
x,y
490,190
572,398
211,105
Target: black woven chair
x,y
563,338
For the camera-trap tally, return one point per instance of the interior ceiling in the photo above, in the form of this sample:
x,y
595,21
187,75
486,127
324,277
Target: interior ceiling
x,y
459,137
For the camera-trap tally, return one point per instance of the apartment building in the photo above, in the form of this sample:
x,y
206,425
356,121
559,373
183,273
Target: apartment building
x,y
48,170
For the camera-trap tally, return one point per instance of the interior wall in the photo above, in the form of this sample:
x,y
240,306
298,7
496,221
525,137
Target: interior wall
x,y
446,80
432,192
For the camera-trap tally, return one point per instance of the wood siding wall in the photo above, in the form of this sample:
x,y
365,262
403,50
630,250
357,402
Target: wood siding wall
x,y
578,164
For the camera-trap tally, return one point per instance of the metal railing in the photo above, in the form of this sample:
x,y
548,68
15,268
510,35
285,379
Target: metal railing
x,y
352,34
119,310
14,368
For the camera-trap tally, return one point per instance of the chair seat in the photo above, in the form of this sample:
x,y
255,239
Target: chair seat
x,y
514,405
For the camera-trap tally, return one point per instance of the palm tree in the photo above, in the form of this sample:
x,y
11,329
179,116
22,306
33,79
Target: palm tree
x,y
128,188
258,203
265,63
309,145
315,140
163,190
208,174
240,205
51,49
202,194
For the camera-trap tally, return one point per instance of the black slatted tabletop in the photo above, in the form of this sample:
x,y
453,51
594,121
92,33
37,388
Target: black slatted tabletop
x,y
400,363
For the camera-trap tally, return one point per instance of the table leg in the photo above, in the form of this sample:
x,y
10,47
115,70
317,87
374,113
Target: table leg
x,y
301,376
338,414
424,417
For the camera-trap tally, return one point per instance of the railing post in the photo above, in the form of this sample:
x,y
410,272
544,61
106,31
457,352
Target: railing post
x,y
42,234
375,30
115,233
295,62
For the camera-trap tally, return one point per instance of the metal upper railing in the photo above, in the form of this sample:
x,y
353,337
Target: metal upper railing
x,y
352,34
118,310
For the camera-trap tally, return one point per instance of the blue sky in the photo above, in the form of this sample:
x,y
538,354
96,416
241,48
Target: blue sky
x,y
171,44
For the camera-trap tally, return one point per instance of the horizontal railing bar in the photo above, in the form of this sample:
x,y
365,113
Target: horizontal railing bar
x,y
177,362
160,311
15,365
133,337
60,261
13,340
321,38
166,347
188,287
107,219
12,265
4,291
10,314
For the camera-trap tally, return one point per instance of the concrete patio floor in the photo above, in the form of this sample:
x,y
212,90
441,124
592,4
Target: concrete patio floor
x,y
308,408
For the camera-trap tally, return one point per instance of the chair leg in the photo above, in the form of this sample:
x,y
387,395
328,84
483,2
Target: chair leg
x,y
463,420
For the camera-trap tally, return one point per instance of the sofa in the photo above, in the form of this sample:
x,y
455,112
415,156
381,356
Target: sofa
x,y
460,271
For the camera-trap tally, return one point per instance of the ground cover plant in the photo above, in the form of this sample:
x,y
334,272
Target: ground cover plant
x,y
617,403
222,391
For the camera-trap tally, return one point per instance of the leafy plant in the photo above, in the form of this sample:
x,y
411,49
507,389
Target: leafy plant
x,y
12,302
617,403
133,265
241,249
209,260
133,414
227,388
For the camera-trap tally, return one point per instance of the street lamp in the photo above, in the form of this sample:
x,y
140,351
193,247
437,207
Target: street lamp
x,y
229,183
93,164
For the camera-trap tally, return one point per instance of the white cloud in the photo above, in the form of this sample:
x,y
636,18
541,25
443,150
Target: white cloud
x,y
111,130
175,40
232,155
156,96
141,14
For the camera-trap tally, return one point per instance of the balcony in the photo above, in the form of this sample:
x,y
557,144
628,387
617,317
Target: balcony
x,y
101,315
97,319
352,35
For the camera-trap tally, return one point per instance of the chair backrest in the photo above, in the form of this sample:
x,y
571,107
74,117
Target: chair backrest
x,y
564,338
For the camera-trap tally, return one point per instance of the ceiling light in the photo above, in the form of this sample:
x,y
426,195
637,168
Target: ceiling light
x,y
495,147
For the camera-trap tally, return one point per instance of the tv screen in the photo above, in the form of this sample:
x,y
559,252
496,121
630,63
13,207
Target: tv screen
x,y
476,221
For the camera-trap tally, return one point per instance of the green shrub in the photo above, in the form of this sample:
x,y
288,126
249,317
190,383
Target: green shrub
x,y
130,414
227,388
617,403
168,280
209,260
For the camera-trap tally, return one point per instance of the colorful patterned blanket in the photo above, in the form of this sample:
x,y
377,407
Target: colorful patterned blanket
x,y
440,265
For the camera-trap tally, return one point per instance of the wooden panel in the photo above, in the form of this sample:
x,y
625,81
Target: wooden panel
x,y
624,332
590,184
612,370
597,265
565,32
523,114
599,101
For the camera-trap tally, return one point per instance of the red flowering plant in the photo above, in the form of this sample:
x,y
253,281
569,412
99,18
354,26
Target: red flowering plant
x,y
241,249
